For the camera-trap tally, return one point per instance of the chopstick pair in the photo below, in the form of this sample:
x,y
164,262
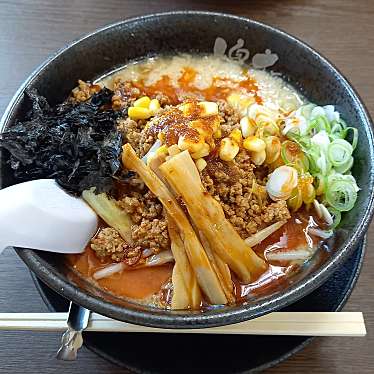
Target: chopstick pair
x,y
277,323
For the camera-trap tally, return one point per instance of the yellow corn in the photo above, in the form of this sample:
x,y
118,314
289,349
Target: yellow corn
x,y
208,108
254,144
228,149
217,134
192,147
234,100
258,158
162,150
186,108
200,127
236,135
139,112
142,102
161,136
240,102
248,127
154,106
204,151
273,149
200,164
173,150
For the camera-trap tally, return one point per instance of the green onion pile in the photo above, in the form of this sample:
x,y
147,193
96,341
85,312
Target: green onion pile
x,y
327,145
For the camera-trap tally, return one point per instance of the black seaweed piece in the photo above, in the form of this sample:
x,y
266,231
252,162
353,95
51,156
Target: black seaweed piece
x,y
76,144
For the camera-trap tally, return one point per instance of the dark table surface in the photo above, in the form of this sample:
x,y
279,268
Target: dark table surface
x,y
30,30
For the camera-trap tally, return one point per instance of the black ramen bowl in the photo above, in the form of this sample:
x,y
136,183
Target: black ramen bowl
x,y
196,32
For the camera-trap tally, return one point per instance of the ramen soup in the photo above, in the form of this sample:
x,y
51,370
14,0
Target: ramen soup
x,y
230,181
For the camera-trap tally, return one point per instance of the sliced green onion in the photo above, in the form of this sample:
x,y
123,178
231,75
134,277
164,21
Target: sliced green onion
x,y
341,195
351,178
306,110
293,155
271,128
336,216
338,127
320,123
345,167
320,184
323,164
354,136
339,152
334,176
313,154
295,200
302,141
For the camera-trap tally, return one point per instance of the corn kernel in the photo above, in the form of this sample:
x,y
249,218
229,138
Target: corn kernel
x,y
240,102
186,108
204,151
200,164
142,102
137,113
200,127
208,108
154,106
233,99
254,144
173,150
161,136
248,127
192,147
236,135
258,158
162,150
215,122
217,134
228,149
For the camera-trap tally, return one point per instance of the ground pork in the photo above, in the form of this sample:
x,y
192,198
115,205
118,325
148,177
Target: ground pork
x,y
238,186
136,133
231,118
109,243
83,91
149,229
124,94
242,196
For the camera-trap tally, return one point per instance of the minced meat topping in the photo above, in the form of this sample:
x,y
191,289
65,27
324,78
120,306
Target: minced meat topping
x,y
109,243
237,185
242,196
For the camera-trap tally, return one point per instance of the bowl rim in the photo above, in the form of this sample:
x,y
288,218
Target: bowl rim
x,y
222,316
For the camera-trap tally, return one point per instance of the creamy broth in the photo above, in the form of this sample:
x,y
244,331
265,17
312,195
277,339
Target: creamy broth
x,y
208,78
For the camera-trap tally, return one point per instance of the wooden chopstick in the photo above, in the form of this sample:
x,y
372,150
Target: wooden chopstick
x,y
278,323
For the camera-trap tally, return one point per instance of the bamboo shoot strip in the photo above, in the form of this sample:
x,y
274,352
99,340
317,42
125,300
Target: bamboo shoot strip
x,y
205,275
208,216
181,298
184,266
221,268
263,234
107,209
